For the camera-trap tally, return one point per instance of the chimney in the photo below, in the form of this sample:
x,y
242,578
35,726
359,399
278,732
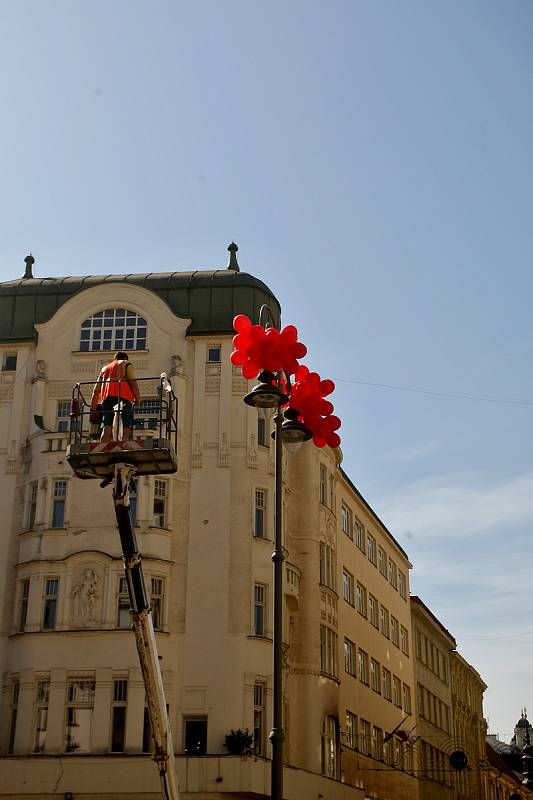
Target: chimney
x,y
232,261
29,261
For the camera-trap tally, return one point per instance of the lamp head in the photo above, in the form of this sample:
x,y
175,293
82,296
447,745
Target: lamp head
x,y
293,432
267,396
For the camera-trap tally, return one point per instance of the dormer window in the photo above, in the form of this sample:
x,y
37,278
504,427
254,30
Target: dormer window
x,y
113,329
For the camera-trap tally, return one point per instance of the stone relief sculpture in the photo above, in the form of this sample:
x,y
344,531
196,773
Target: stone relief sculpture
x,y
40,371
86,599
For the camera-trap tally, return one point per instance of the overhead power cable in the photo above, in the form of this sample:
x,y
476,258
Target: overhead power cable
x,y
437,394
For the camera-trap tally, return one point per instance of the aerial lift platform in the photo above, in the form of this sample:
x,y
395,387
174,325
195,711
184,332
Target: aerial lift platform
x,y
119,463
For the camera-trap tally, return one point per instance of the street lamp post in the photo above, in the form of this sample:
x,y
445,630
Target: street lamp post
x,y
269,396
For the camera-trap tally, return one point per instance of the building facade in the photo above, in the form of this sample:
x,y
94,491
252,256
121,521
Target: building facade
x,y
72,691
433,646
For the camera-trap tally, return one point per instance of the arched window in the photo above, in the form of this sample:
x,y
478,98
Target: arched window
x,y
113,329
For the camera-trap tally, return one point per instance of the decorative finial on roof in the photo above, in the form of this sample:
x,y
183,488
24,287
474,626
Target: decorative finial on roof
x,y
29,261
232,261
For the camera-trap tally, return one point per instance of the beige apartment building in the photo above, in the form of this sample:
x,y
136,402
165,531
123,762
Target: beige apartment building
x,y
72,693
470,728
433,646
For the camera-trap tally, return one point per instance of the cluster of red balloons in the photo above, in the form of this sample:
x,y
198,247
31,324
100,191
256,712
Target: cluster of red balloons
x,y
307,396
257,348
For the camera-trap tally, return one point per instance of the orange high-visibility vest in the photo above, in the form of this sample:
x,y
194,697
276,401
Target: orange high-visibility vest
x,y
110,384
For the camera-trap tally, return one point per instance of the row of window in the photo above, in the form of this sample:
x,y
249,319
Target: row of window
x,y
377,556
79,711
367,605
50,600
434,764
360,735
432,708
430,655
380,679
59,498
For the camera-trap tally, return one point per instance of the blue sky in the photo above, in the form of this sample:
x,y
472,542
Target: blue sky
x,y
372,160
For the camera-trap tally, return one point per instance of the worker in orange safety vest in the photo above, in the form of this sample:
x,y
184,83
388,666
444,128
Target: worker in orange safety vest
x,y
115,383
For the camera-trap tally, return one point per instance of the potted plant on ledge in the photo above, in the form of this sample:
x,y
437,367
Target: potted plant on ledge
x,y
238,742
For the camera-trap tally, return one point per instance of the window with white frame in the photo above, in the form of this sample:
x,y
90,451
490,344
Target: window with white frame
x,y
384,621
323,485
349,657
396,691
329,747
79,715
123,605
118,714
259,718
365,737
347,586
213,353
59,496
404,639
157,597
394,631
328,566
259,609
15,691
50,599
393,574
387,684
10,362
260,514
262,432
359,537
406,699
361,599
371,549
351,730
32,505
375,675
346,521
402,584
160,503
63,416
24,589
373,610
377,743
147,414
382,561
42,694
328,650
362,666
114,329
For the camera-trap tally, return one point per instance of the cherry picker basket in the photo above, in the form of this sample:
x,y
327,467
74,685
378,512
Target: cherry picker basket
x,y
155,427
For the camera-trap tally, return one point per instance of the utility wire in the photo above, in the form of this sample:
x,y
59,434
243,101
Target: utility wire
x,y
437,394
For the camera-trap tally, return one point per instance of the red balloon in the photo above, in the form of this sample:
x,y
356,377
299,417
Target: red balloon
x,y
238,357
326,387
241,323
257,333
250,370
334,440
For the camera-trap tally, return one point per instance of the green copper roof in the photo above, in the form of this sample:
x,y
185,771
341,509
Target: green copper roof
x,y
211,299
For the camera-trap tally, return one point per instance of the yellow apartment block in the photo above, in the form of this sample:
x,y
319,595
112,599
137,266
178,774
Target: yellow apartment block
x,y
73,701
